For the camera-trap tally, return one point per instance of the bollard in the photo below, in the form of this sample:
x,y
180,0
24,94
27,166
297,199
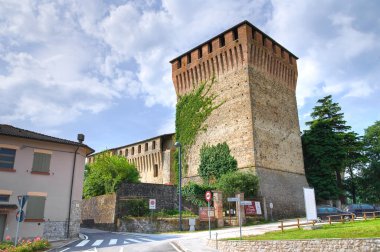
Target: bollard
x,y
298,223
216,240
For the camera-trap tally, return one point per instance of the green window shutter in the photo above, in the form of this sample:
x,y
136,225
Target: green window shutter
x,y
35,207
41,162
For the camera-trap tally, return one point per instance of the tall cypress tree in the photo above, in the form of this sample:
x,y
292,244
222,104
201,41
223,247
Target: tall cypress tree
x,y
324,150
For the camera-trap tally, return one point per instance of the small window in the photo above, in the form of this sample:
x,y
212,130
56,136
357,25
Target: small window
x,y
133,151
139,149
222,41
235,34
41,162
189,58
154,145
209,47
178,63
126,152
120,152
146,146
35,208
4,198
199,53
155,171
7,158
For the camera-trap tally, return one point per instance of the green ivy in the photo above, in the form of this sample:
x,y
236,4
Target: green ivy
x,y
192,110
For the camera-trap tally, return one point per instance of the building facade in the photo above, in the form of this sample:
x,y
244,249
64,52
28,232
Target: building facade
x,y
256,80
153,158
49,171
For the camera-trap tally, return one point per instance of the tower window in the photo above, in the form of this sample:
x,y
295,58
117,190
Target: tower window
x,y
222,41
235,34
146,146
189,58
120,152
154,145
199,53
155,171
139,149
133,151
178,63
209,47
126,152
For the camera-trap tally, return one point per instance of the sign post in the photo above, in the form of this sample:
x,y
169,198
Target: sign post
x,y
208,197
152,207
20,213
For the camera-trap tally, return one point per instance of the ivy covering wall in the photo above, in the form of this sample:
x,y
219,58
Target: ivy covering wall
x,y
192,110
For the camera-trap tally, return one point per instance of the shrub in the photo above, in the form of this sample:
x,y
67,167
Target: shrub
x,y
195,193
237,182
216,161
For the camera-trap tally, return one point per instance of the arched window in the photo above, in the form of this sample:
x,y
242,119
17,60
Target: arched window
x,y
133,151
146,146
139,149
154,145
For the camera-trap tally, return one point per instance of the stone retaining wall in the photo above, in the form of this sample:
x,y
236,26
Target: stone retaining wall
x,y
326,245
145,225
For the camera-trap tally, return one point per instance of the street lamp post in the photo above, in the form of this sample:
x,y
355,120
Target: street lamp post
x,y
178,145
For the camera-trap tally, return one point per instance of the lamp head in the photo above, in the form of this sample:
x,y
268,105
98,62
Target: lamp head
x,y
177,144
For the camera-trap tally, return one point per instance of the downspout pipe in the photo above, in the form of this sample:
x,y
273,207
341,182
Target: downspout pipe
x,y
71,192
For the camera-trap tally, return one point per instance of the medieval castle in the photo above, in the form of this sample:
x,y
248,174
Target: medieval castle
x,y
256,79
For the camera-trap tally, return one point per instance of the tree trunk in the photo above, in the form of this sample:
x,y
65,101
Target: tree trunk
x,y
341,196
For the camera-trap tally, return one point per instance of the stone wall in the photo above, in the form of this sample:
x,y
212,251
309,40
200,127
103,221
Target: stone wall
x,y
327,245
165,195
145,225
99,209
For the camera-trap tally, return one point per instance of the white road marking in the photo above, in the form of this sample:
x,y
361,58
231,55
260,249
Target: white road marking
x,y
175,246
146,239
133,240
82,243
126,242
64,249
121,249
97,243
112,242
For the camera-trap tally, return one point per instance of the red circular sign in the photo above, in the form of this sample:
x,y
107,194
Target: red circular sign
x,y
208,196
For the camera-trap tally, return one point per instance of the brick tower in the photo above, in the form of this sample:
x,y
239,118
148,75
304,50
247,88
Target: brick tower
x,y
256,78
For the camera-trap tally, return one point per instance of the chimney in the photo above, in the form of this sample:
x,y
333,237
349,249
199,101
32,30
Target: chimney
x,y
80,138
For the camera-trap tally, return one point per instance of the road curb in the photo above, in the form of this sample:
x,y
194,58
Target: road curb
x,y
63,245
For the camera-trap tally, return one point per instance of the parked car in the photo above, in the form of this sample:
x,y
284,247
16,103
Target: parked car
x,y
359,209
324,210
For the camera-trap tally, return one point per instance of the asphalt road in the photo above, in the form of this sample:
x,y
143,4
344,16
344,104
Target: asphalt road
x,y
97,240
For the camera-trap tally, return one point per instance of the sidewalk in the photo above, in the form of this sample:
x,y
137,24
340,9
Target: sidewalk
x,y
197,242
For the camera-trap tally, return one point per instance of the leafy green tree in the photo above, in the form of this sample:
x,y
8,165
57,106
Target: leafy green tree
x,y
106,174
324,150
370,175
216,161
237,182
354,162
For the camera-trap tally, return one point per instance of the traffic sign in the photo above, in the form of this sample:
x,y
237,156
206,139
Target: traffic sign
x,y
152,204
208,196
22,200
232,199
246,203
20,215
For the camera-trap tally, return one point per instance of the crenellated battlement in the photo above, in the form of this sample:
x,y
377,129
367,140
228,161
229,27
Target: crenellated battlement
x,y
240,46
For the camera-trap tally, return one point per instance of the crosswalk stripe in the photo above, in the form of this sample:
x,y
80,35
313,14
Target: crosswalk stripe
x,y
82,243
133,240
97,243
126,242
146,239
64,249
112,242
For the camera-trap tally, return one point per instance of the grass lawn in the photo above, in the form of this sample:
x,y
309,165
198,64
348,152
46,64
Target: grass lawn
x,y
358,229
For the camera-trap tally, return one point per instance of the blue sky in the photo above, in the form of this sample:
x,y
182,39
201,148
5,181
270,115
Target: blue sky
x,y
102,67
